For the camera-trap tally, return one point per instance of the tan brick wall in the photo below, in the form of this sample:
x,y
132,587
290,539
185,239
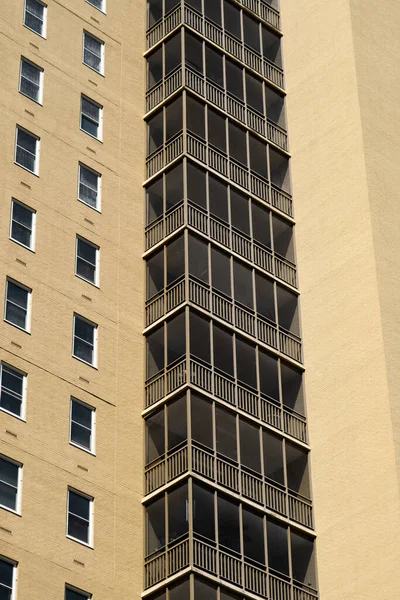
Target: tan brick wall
x,y
345,177
113,569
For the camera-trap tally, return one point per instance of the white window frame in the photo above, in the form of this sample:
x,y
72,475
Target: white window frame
x,y
99,181
14,564
72,588
95,340
85,33
44,32
92,409
96,266
89,543
27,329
17,509
99,135
37,150
24,388
33,230
103,6
41,72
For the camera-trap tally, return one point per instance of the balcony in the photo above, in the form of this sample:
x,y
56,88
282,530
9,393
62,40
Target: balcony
x,y
219,98
207,379
220,306
188,213
255,487
215,34
221,164
191,551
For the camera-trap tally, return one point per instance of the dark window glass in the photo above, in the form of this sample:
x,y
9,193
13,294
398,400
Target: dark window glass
x,y
154,200
246,362
11,390
174,186
155,436
177,429
198,258
74,595
201,420
254,93
155,352
303,562
154,11
253,536
278,558
261,225
21,224
283,238
155,274
84,340
268,367
81,424
292,388
226,433
154,68
234,79
6,578
232,19
155,132
297,469
78,516
172,54
204,590
250,445
240,211
155,521
173,118
220,267
199,337
258,156
212,10
176,338
273,456
179,591
237,143
223,349
86,260
243,284
203,512
193,52
8,485
228,524
218,194
214,66
265,297
251,33
196,185
175,260
195,116
287,310
216,130
177,513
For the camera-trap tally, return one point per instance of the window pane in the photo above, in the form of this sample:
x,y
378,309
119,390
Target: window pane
x,y
228,524
26,141
199,337
88,186
34,15
223,349
204,590
177,430
6,574
80,435
17,294
249,445
155,437
198,258
22,214
30,80
81,414
201,420
84,330
78,528
203,512
71,594
177,513
277,547
155,520
226,433
253,536
79,505
246,362
87,251
11,391
273,457
176,338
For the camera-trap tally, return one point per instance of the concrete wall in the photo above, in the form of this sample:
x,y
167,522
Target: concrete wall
x,y
36,539
343,121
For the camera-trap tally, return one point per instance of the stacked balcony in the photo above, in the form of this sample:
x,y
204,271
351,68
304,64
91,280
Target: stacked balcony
x,y
227,491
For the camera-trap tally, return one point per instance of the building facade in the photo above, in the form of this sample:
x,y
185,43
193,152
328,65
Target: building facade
x,y
158,409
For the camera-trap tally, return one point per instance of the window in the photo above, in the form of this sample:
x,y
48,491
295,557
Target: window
x,y
9,484
22,224
91,117
74,594
7,577
35,16
30,80
81,431
17,304
79,516
86,260
27,150
89,186
84,340
12,390
100,4
93,52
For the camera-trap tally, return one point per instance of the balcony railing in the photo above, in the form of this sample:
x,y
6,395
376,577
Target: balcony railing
x,y
220,163
237,242
263,10
227,389
215,34
253,486
206,556
225,308
220,98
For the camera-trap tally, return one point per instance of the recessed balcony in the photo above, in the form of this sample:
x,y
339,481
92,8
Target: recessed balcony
x,y
212,32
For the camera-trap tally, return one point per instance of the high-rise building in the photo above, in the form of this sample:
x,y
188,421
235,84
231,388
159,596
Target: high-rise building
x,y
158,416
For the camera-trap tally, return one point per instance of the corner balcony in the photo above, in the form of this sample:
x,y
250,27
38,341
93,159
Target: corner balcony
x,y
217,96
197,293
192,458
188,213
222,39
191,551
219,162
209,380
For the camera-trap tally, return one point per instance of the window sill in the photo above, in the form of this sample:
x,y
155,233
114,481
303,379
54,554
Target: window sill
x,y
22,245
35,32
10,510
90,135
89,206
93,6
26,169
85,363
82,448
29,98
17,326
94,70
86,544
7,412
95,285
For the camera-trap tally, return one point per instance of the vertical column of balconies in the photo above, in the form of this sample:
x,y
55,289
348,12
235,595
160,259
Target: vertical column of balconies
x,y
224,409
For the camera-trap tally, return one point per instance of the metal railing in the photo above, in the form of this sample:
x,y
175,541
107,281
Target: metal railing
x,y
215,34
219,162
228,390
229,566
220,98
226,309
